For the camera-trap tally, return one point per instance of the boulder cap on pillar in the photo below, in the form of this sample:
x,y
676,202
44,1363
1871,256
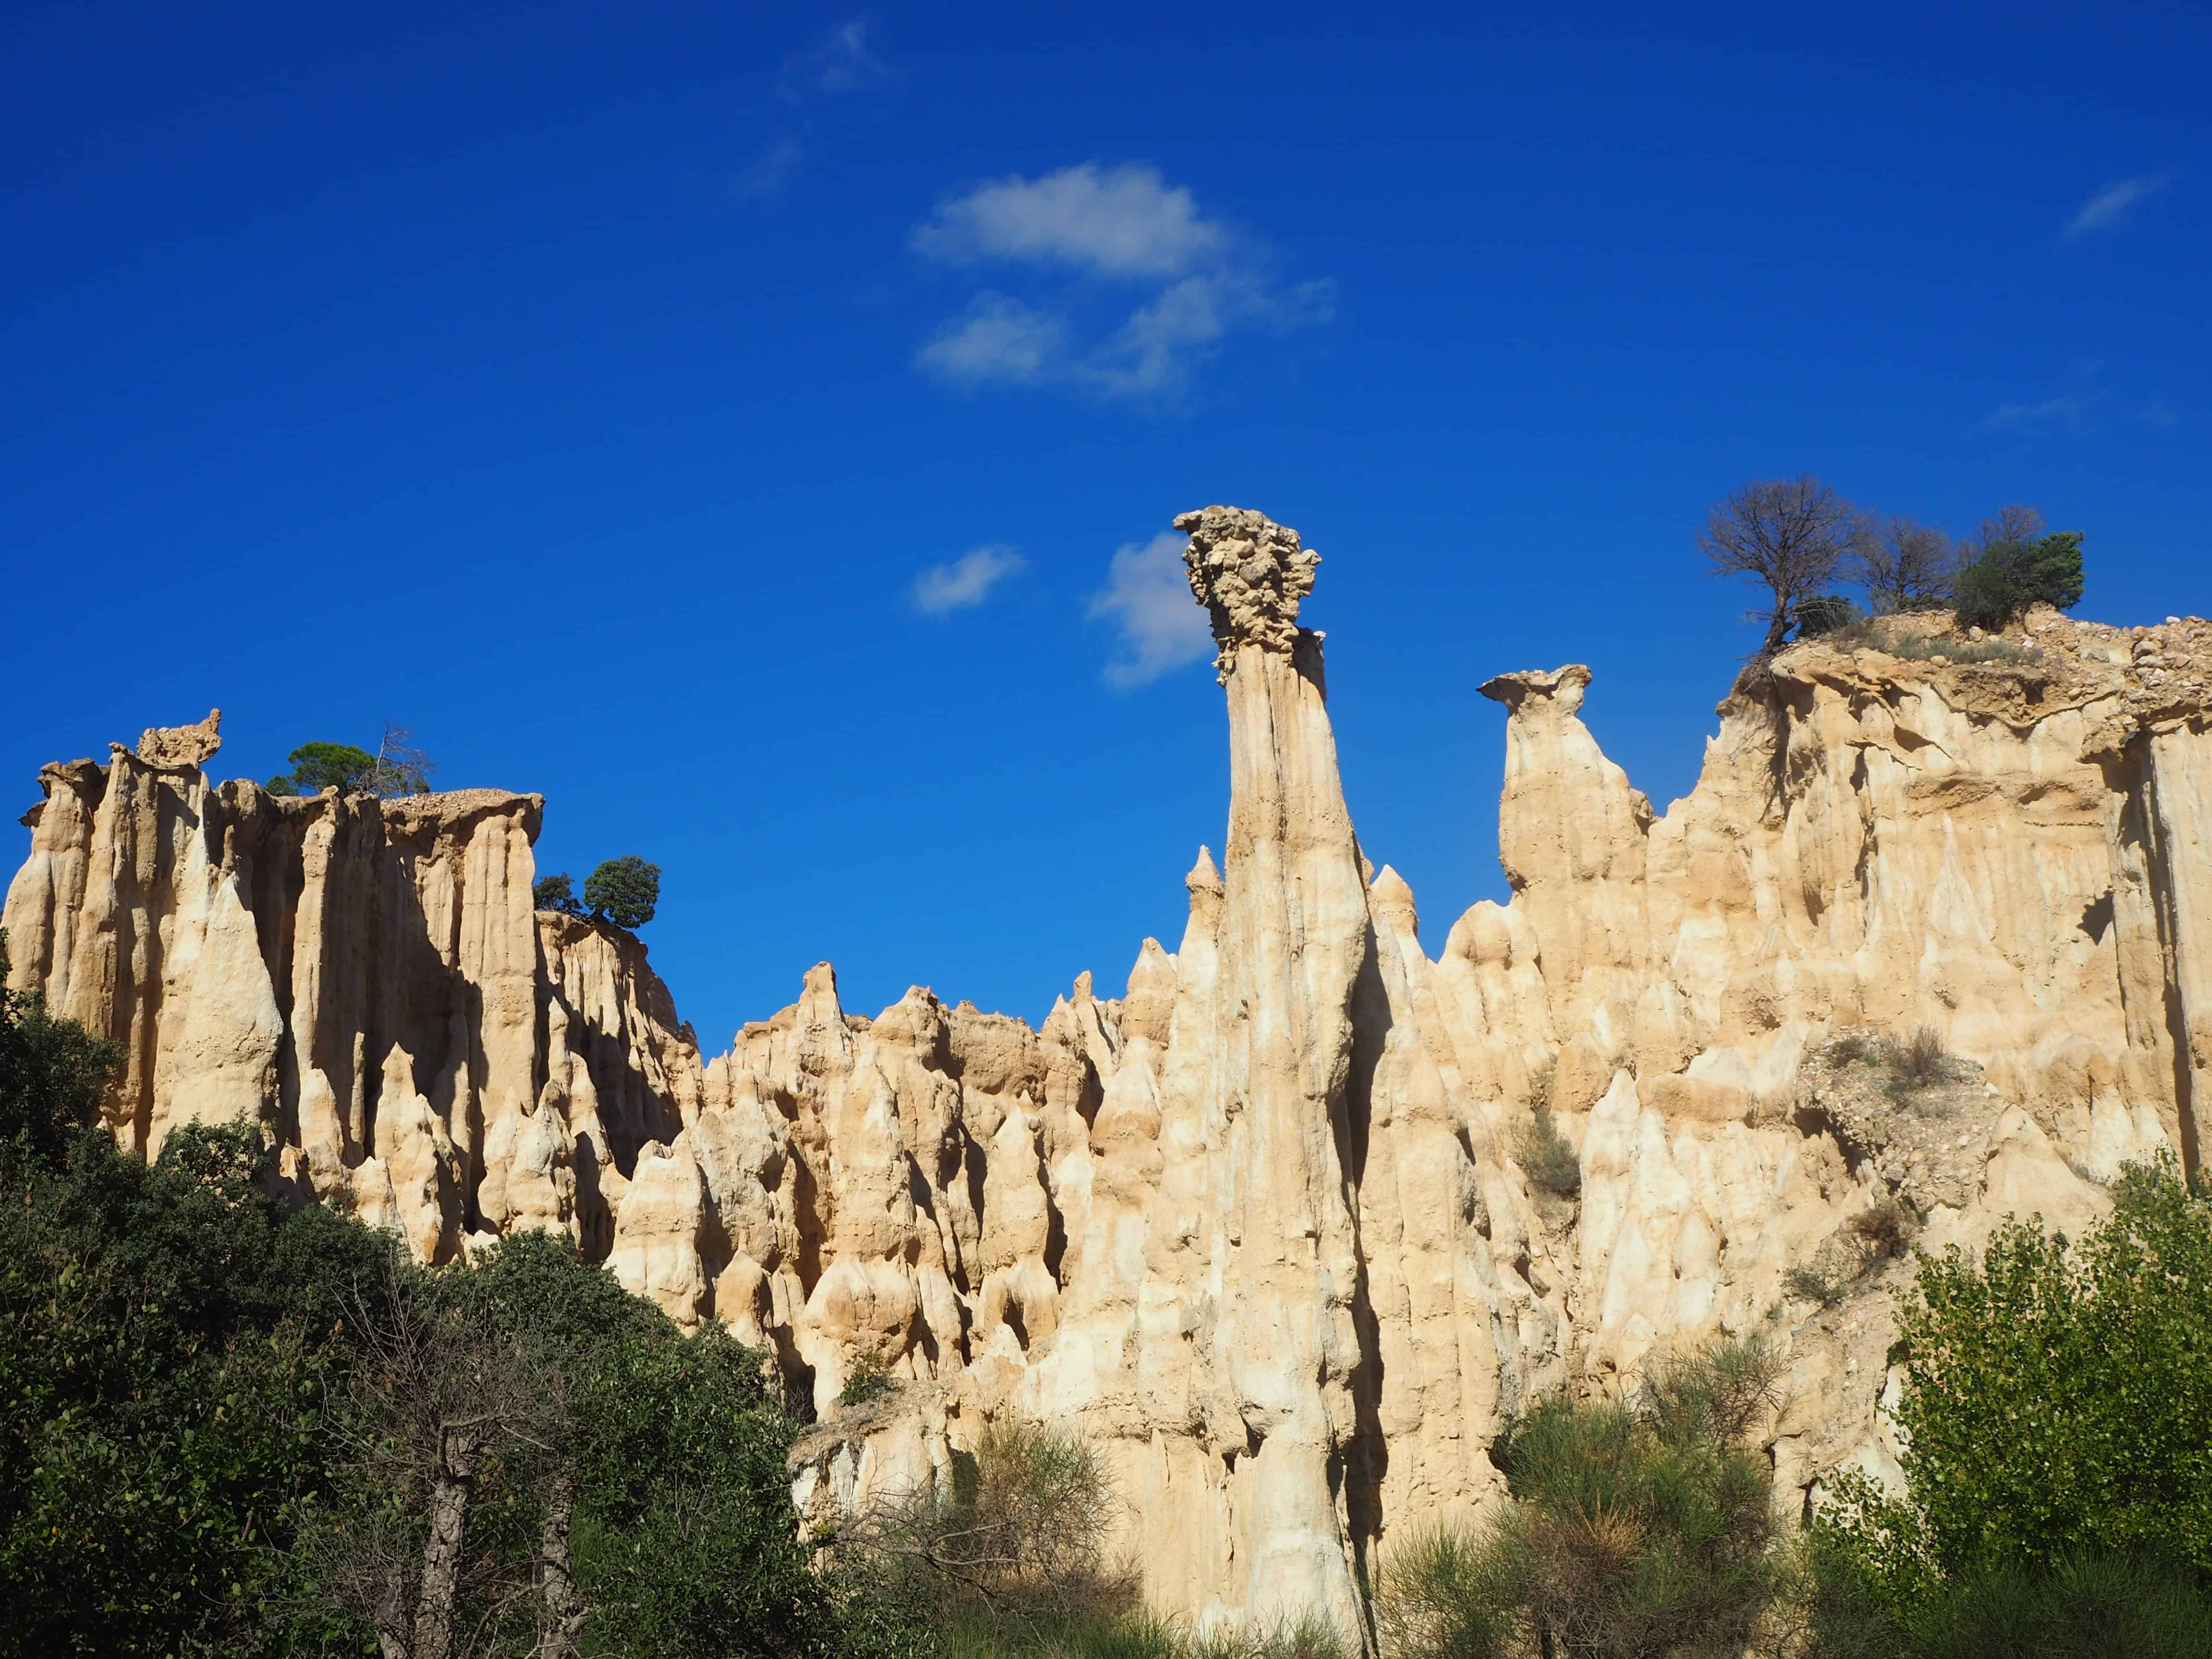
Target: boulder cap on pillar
x,y
1250,573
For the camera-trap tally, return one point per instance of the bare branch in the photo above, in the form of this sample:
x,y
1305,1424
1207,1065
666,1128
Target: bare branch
x,y
1792,534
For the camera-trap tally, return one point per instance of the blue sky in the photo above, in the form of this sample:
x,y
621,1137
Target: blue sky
x,y
750,427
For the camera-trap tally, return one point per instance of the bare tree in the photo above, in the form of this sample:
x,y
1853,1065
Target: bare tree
x,y
1793,534
401,768
436,1394
2015,526
1905,565
1022,1534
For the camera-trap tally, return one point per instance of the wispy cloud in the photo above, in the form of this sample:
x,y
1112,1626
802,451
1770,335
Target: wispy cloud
x,y
999,338
1147,593
841,61
770,171
1119,225
2110,205
2062,410
967,582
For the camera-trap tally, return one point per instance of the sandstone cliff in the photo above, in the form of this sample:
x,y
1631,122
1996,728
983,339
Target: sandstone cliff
x,y
1260,1225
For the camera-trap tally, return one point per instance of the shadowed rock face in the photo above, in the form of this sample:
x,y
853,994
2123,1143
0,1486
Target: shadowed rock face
x,y
1260,1226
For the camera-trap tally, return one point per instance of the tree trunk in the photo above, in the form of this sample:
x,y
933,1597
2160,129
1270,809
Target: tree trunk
x,y
392,1635
1776,629
454,1484
562,1616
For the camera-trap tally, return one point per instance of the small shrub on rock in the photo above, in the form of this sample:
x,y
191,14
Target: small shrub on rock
x,y
870,1380
1885,1231
1548,1157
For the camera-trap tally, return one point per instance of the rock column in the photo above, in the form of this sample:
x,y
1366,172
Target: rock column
x,y
1292,938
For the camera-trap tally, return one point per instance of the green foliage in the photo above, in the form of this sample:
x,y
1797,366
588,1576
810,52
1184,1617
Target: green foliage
x,y
2097,1607
685,1542
2056,1403
171,1342
1640,1528
1546,1157
320,766
1815,1281
557,893
2058,1415
1873,1597
1009,1560
200,1438
2012,574
869,1380
396,768
53,1072
1824,613
623,892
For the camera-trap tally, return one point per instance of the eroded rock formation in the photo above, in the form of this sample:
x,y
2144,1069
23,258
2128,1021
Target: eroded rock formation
x,y
1260,1225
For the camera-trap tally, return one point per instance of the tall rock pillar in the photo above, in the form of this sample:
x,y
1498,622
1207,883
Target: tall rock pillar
x,y
1293,936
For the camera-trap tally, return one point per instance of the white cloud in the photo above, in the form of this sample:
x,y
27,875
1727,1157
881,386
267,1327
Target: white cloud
x,y
1000,339
2110,205
1121,224
967,582
1115,221
1148,592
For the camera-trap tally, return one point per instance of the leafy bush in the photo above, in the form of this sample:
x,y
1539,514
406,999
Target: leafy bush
x,y
1643,1528
623,892
2057,1412
53,1072
869,1380
1870,1594
1544,1154
1825,613
2059,1402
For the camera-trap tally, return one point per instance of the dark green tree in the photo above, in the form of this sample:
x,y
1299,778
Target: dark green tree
x,y
2014,565
556,892
623,892
320,766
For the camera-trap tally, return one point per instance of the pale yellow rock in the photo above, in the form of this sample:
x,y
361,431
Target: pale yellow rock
x,y
1262,1229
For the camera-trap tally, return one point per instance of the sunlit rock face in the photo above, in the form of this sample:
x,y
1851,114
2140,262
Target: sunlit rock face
x,y
1259,1227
